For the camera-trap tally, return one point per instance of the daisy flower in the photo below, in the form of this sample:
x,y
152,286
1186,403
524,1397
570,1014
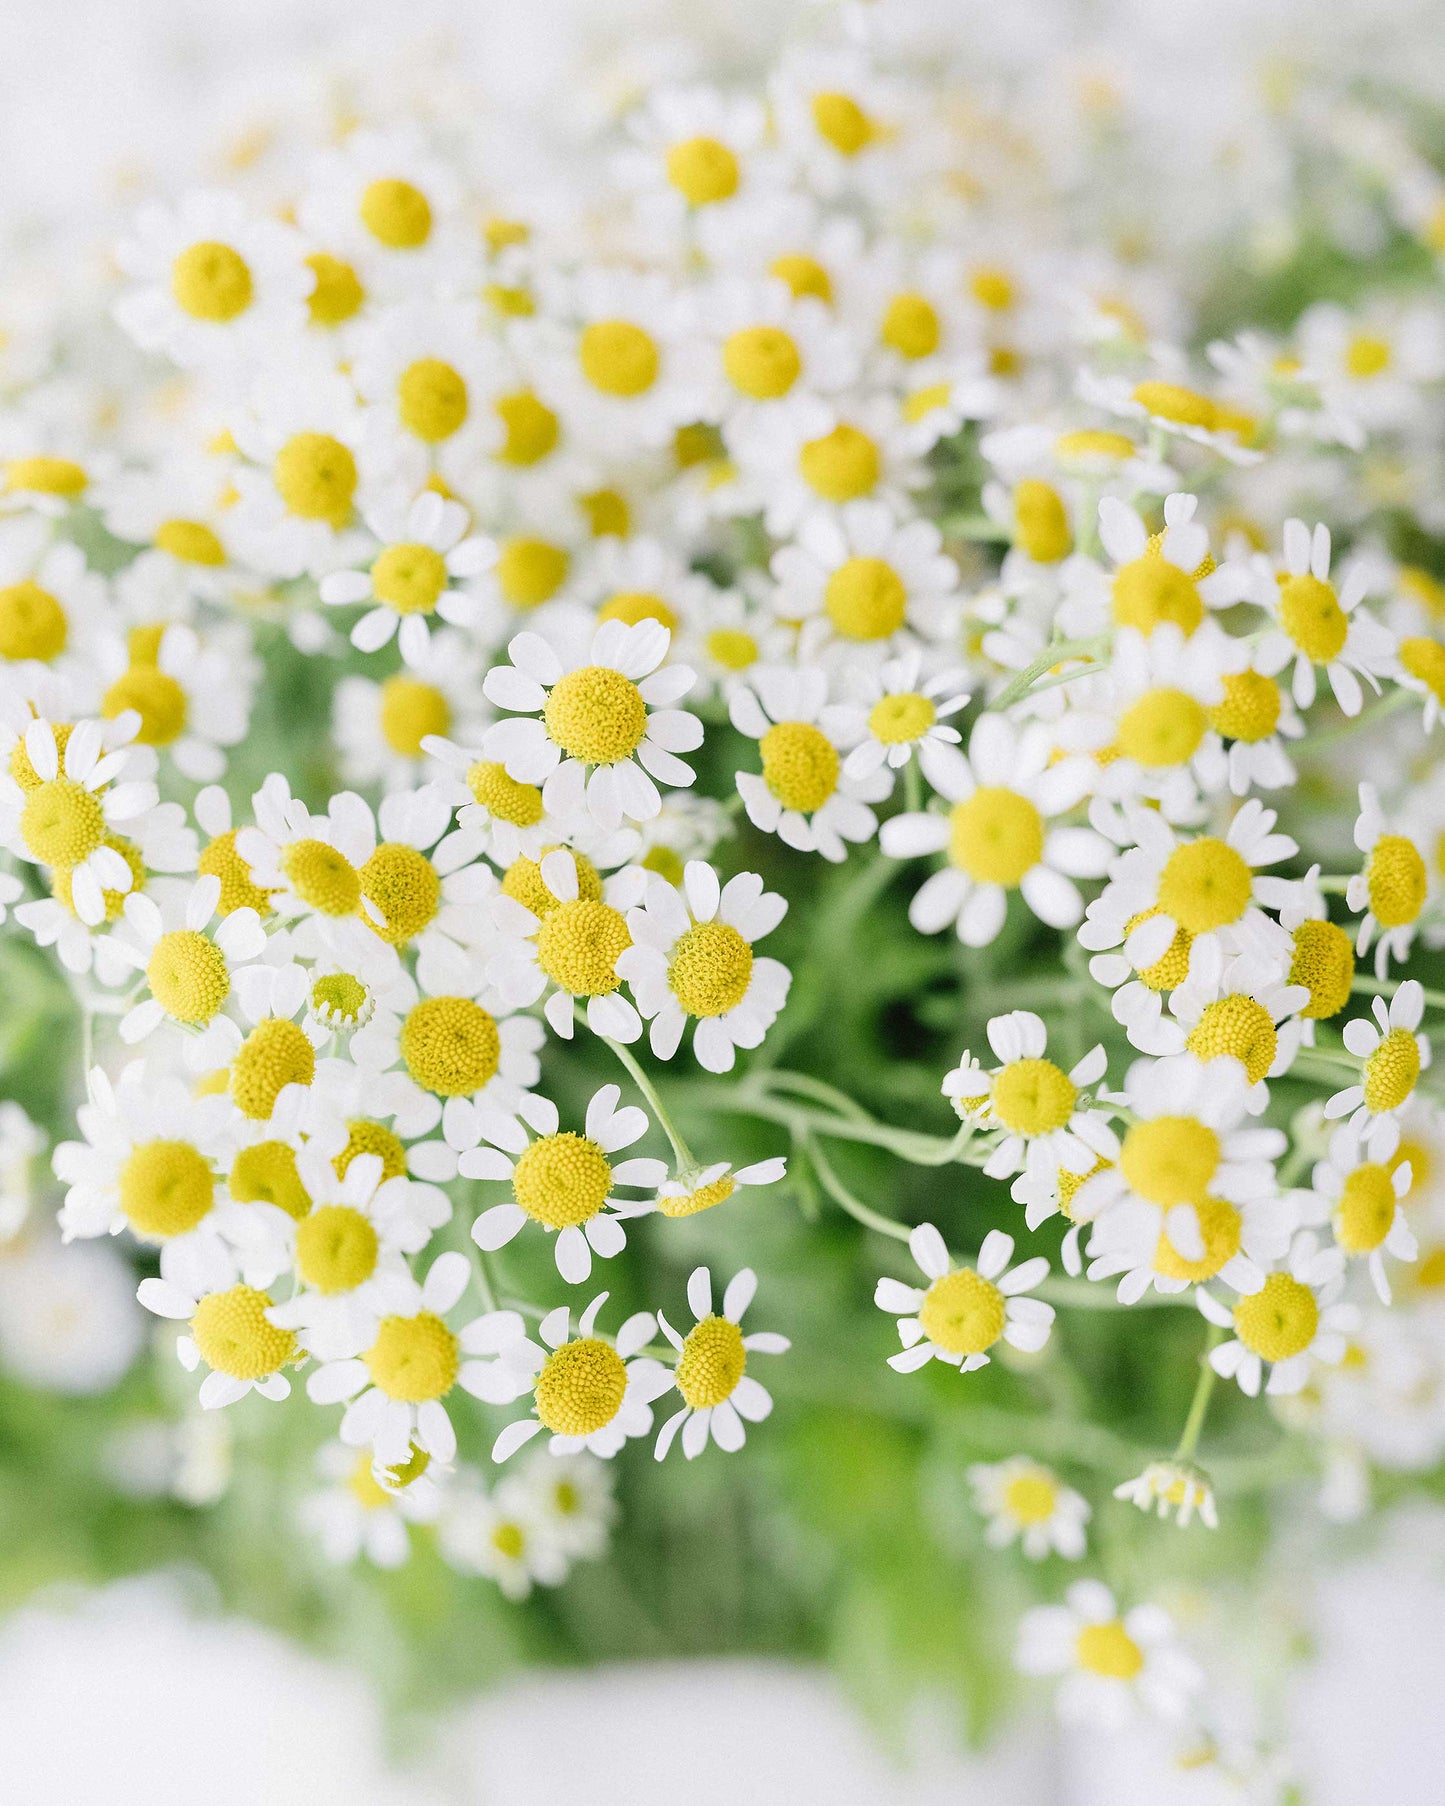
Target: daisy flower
x,y
571,1499
1361,1199
1027,1503
192,695
590,1393
718,1392
563,1180
998,837
606,728
791,473
355,1515
1422,669
690,1193
698,161
801,794
231,1334
427,372
1168,577
1394,1056
1238,1243
422,549
772,353
1391,890
692,957
1291,1322
1370,368
508,818
1313,626
1174,410
1250,1014
1172,1489
498,1536
963,1312
380,728
392,212
1033,1101
1114,1667
1322,955
52,604
899,714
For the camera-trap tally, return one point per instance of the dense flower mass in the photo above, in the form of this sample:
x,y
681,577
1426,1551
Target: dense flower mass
x,y
798,489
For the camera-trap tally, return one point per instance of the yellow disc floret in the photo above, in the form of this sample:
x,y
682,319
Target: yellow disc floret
x,y
212,282
1251,707
1391,1071
221,860
1170,1159
562,1180
62,879
1033,1097
1205,885
403,884
844,124
32,623
274,1055
841,466
1310,614
800,765
1278,1321
1239,1026
431,398
1425,659
504,797
689,1203
265,1173
414,1358
366,1137
62,822
410,710
865,599
155,696
581,1387
531,428
409,578
316,477
962,1313
190,542
1041,522
1324,963
1366,1209
1163,728
338,293
995,835
703,171
396,214
762,362
711,1363
595,714
1397,880
579,944
166,1188
233,1336
336,1249
1108,1650
634,605
1030,1498
711,968
619,358
1220,1226
188,976
523,880
1151,590
321,877
451,1046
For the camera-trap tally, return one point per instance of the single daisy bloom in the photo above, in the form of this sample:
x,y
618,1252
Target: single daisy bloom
x,y
427,371
509,818
1394,1055
1314,626
699,160
999,837
709,1186
500,1537
1391,890
1026,1503
1172,1489
380,728
1113,1667
1175,410
607,729
771,352
1291,1322
793,474
52,605
391,214
964,1311
572,1499
590,1393
1250,1013
692,958
898,714
1238,1243
354,1515
1361,1198
1254,721
231,1334
711,1373
1170,576
192,694
563,1180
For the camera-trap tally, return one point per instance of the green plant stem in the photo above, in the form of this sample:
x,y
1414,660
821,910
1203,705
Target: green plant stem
x,y
1377,711
1085,1295
912,787
841,1196
1199,1404
1055,654
681,1152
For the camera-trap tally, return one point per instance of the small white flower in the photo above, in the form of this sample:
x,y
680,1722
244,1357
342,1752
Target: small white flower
x,y
1391,890
718,1393
964,1311
1172,1489
1314,626
1289,1324
1113,1666
1361,1198
1027,1503
1394,1056
899,714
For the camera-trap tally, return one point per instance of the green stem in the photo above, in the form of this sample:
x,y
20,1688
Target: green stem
x,y
975,526
840,1194
908,1144
1199,1404
1087,1295
782,1079
484,1282
1377,711
1055,654
912,787
681,1152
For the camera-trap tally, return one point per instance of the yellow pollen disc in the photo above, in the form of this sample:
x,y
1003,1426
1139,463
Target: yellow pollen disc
x,y
509,1540
315,476
922,402
410,710
502,796
901,718
619,358
515,303
1425,660
1150,590
409,578
711,967
1311,615
911,327
336,1249
1173,402
1069,1184
322,877
61,884
143,644
995,836
365,1137
731,648
804,276
702,170
712,1362
607,513
1250,710
962,1313
338,293
1170,1159
1417,1156
166,1188
581,1387
531,428
562,1180
32,623
339,994
1367,356
451,1046
865,599
1278,1321
1163,728
1041,522
190,541
188,976
1205,885
46,476
1033,1097
231,1332
1396,875
432,399
1366,1209
595,714
156,697
523,880
841,466
275,1054
762,361
404,886
211,282
1240,1026
800,765
844,124
1324,963
665,862
1109,1650
1030,1498
688,1204
1086,444
364,1487
1004,360
1221,1226
221,860
634,605
1391,1071
992,288
62,823
579,944
396,214
405,1472
530,571
265,1173
414,1358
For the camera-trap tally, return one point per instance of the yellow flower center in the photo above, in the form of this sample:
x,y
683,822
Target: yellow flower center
x,y
865,599
1312,617
364,1487
1041,522
211,282
703,170
1391,1071
1366,1209
190,541
530,571
336,1249
1425,659
531,428
688,1204
1163,728
396,214
901,718
1220,1225
47,476
523,880
1175,403
607,513
414,1358
731,648
275,1054
844,124
509,1540
156,697
404,885
1170,1159
1088,444
1278,1321
221,860
804,276
962,1313
405,1472
188,976
800,765
62,822
842,465
995,836
1205,885
597,715
712,1362
665,862
1150,590
579,944
992,288
338,995
634,605
581,1387
1367,356
233,1336
1239,1026
321,877
411,710
503,797
450,1045
619,358
911,326
1030,1498
316,477
62,887
1033,1097
711,967
166,1188
23,772
365,1137
1324,963
432,399
32,623
762,361
1109,1650
1069,1184
1396,875
1250,710
338,293
265,1173
409,578
562,1180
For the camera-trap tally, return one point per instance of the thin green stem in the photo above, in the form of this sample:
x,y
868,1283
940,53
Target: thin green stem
x,y
1377,711
1055,654
1199,1404
681,1152
912,787
484,1282
783,1079
976,527
1086,1295
840,1194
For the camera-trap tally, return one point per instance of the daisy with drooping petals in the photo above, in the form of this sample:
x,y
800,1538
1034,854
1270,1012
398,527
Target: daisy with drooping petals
x,y
1314,626
564,1181
1360,1198
1291,1322
898,714
708,1186
1172,1489
231,1334
355,1515
1392,889
711,1373
964,1311
1394,1055
1027,1503
1113,1666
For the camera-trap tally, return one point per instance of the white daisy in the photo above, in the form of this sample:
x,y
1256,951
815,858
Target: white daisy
x,y
1113,1666
708,1186
1027,1503
1171,577
380,728
1172,1488
1289,1324
1394,1056
718,1392
1314,626
498,1536
900,714
355,1515
963,1312
1361,1198
230,1333
1391,890
192,694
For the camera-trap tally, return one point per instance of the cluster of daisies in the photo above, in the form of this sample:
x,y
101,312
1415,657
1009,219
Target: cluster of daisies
x,y
761,474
